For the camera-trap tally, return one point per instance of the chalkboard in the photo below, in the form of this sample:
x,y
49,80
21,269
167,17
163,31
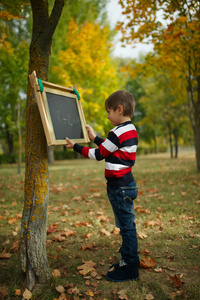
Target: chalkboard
x,y
61,112
65,117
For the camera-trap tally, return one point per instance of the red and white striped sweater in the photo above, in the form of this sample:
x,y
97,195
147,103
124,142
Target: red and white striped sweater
x,y
119,152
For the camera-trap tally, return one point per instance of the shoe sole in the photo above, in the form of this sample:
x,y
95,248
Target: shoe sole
x,y
111,279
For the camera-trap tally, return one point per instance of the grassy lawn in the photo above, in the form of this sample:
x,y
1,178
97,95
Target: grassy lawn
x,y
81,228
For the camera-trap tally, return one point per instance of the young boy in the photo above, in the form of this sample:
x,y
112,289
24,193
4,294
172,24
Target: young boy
x,y
119,152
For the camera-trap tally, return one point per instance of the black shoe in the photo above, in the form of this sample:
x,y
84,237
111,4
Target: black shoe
x,y
124,273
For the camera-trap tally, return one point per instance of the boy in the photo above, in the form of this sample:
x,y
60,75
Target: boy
x,y
119,152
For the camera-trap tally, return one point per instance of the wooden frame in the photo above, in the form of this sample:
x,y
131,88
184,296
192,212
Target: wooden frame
x,y
46,113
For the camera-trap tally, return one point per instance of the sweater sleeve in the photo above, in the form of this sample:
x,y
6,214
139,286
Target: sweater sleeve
x,y
98,141
107,147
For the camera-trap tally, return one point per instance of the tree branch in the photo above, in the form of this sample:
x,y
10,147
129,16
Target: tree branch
x,y
53,21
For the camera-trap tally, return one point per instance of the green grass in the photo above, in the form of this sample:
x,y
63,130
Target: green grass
x,y
167,212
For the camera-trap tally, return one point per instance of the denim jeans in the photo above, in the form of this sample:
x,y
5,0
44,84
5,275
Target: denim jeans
x,y
121,200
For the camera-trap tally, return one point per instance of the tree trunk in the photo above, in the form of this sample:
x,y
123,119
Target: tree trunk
x,y
19,140
50,154
10,138
33,257
175,132
170,139
194,105
33,227
197,133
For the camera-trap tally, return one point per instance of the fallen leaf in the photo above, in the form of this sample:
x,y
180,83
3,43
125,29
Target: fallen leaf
x,y
27,294
158,270
4,254
86,268
150,223
60,289
142,235
116,231
82,224
88,235
175,280
75,291
59,238
12,220
14,247
69,232
122,295
88,246
87,282
64,297
149,297
52,228
3,293
178,293
77,198
18,292
146,252
105,232
56,273
147,262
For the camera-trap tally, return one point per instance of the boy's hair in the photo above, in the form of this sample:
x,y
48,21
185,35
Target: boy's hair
x,y
123,98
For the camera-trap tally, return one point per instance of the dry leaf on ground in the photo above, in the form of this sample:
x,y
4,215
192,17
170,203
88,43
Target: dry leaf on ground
x,y
69,232
176,280
60,289
3,293
122,295
88,246
86,268
56,273
105,232
27,294
149,297
147,262
142,235
4,254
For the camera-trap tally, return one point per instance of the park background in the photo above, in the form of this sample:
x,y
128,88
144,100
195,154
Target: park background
x,y
81,49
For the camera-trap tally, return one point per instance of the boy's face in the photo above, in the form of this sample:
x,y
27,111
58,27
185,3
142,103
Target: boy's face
x,y
114,116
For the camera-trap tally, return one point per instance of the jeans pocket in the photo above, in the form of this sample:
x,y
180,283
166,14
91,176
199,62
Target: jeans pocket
x,y
128,196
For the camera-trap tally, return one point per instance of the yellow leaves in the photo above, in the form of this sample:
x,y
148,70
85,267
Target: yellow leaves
x,y
18,292
7,15
182,19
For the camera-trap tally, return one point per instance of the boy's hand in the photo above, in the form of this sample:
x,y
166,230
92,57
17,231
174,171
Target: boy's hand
x,y
70,144
91,133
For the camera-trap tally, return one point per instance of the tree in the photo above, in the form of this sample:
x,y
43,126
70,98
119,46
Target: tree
x,y
14,63
34,220
177,38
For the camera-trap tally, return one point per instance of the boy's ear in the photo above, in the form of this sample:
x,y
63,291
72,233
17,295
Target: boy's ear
x,y
121,109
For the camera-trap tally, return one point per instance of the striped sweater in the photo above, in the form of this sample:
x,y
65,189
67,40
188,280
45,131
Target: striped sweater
x,y
119,152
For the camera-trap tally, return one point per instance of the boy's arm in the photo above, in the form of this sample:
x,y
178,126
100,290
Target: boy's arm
x,y
92,136
98,141
108,146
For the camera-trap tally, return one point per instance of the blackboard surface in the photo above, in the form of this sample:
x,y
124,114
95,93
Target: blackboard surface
x,y
64,116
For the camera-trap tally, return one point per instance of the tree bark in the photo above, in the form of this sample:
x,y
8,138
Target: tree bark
x,y
197,134
170,139
175,133
33,257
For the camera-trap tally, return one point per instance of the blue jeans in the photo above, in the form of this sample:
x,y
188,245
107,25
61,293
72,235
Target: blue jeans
x,y
121,200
